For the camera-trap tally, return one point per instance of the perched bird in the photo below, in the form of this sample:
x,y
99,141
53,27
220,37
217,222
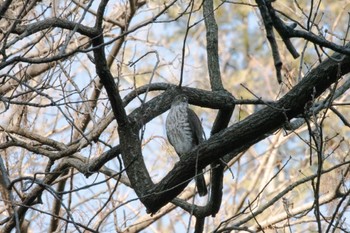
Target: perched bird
x,y
184,132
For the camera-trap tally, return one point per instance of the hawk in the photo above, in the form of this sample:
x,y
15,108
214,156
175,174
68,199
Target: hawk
x,y
184,132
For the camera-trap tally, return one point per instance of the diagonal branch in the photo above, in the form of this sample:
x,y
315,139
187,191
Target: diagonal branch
x,y
254,128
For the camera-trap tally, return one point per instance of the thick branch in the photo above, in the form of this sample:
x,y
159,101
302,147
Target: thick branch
x,y
212,46
107,80
26,30
251,130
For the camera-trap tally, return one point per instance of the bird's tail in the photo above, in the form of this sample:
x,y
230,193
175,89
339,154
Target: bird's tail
x,y
201,186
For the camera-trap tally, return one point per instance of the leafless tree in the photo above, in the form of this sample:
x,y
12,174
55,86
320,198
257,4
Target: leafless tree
x,y
85,86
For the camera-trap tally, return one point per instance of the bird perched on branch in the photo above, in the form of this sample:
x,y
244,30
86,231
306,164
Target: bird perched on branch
x,y
184,132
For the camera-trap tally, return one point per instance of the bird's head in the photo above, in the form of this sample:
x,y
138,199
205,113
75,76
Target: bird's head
x,y
180,100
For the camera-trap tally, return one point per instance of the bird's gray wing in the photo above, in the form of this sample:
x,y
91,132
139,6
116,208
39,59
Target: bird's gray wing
x,y
169,132
196,126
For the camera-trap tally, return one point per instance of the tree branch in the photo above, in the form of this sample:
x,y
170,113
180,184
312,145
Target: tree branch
x,y
249,131
212,46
